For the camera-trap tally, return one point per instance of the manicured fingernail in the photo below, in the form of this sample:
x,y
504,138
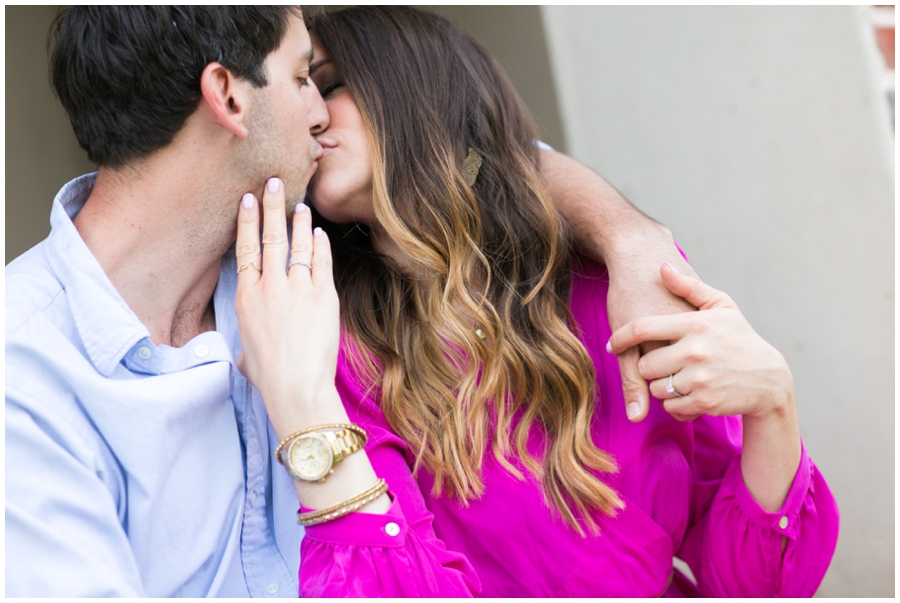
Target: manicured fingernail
x,y
633,409
608,348
274,185
300,207
672,267
318,232
248,200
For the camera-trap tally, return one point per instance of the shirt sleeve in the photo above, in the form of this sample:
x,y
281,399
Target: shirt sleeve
x,y
63,535
737,548
392,555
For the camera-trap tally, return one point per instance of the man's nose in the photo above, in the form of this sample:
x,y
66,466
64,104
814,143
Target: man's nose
x,y
318,113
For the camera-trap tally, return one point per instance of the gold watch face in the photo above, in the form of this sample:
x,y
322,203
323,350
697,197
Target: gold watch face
x,y
311,457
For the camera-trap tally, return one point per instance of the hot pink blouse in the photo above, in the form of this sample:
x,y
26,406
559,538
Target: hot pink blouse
x,y
681,484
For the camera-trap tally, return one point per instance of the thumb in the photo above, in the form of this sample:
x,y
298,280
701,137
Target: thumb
x,y
635,389
693,290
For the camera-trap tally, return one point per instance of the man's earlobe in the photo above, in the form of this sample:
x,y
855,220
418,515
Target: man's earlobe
x,y
225,97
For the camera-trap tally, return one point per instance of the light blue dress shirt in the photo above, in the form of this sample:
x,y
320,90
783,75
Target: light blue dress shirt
x,y
132,468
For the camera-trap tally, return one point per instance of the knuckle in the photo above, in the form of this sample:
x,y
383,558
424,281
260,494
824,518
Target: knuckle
x,y
272,200
696,354
704,405
700,379
246,248
640,329
643,367
300,245
274,238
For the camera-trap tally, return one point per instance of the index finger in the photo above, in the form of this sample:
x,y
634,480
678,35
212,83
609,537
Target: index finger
x,y
667,327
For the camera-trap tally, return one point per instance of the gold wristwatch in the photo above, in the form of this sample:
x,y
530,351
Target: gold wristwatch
x,y
311,457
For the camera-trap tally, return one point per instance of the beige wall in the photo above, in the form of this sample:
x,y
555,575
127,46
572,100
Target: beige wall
x,y
762,138
41,151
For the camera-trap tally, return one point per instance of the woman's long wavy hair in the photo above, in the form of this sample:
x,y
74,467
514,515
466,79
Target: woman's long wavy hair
x,y
490,259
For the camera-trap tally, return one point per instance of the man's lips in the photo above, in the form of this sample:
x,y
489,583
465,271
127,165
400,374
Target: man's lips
x,y
327,146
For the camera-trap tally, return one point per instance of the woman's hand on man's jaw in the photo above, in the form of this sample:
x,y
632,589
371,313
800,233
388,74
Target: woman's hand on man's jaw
x,y
289,319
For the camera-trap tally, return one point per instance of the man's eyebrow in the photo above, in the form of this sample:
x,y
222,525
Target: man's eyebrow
x,y
313,67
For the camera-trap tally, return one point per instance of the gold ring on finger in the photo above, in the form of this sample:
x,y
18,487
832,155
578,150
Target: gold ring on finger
x,y
300,263
243,267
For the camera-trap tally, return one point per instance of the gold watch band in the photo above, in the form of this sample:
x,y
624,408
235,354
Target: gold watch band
x,y
344,443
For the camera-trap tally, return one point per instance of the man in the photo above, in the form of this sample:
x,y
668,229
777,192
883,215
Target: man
x,y
139,460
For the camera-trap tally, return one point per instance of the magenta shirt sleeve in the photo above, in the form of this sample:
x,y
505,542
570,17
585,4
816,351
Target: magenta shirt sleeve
x,y
737,548
392,555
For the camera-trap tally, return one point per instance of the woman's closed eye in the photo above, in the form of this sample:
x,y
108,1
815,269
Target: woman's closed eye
x,y
330,86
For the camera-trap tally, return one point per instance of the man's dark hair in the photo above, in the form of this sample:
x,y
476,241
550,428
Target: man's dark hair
x,y
129,76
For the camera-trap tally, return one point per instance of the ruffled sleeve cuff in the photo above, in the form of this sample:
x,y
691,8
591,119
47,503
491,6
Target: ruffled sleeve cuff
x,y
749,551
785,520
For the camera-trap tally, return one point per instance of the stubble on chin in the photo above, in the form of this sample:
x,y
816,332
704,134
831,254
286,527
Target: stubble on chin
x,y
297,196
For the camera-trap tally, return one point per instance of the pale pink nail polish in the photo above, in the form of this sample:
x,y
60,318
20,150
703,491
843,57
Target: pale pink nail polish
x,y
300,207
318,232
274,185
633,409
672,267
608,348
248,201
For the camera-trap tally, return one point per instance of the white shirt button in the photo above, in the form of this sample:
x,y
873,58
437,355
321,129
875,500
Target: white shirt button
x,y
392,529
272,589
144,352
201,351
783,523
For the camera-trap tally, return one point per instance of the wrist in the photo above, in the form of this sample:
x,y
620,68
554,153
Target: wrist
x,y
779,409
292,411
632,240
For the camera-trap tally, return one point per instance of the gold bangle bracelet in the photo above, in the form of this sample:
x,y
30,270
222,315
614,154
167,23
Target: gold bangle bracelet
x,y
343,508
351,426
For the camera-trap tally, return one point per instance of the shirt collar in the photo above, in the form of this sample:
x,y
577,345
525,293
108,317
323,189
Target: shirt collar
x,y
107,326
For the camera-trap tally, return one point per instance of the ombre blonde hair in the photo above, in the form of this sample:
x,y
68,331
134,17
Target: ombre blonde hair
x,y
492,257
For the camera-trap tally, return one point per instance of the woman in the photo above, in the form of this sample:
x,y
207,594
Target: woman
x,y
471,373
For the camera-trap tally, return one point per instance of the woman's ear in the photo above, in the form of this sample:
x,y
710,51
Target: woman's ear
x,y
226,96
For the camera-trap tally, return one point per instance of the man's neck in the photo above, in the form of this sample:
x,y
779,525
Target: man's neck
x,y
159,231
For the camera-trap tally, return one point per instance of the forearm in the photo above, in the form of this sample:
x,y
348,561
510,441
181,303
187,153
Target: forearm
x,y
771,454
604,224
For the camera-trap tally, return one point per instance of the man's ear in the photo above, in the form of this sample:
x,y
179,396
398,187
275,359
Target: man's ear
x,y
227,98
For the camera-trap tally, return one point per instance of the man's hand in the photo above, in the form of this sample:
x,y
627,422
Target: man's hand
x,y
635,291
609,229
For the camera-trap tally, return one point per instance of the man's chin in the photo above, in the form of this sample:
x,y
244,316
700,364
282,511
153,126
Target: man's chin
x,y
290,206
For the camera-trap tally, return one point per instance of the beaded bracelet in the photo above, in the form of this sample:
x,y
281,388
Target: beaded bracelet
x,y
343,508
351,426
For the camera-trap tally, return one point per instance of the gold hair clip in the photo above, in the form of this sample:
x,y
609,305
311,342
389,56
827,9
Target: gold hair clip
x,y
471,166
